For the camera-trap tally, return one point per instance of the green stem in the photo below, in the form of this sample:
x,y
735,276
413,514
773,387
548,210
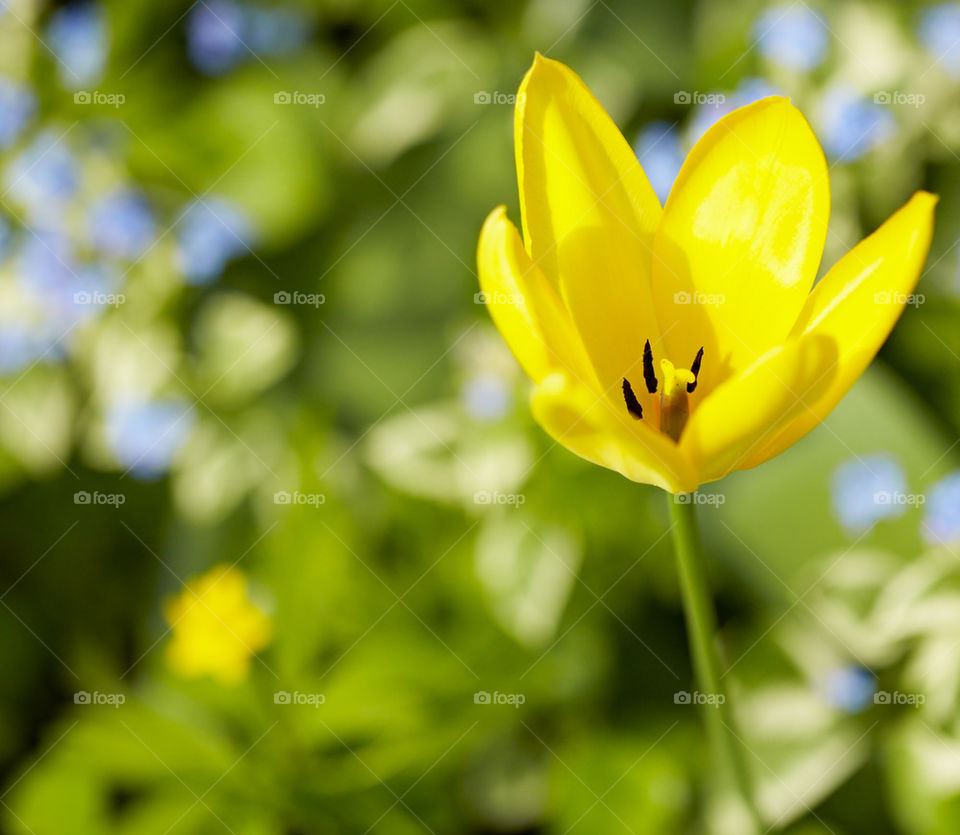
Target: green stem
x,y
702,627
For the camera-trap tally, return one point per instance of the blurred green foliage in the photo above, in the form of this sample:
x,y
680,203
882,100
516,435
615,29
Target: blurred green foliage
x,y
450,550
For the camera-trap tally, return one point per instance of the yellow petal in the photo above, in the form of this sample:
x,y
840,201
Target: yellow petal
x,y
592,428
524,306
741,239
857,304
742,413
589,216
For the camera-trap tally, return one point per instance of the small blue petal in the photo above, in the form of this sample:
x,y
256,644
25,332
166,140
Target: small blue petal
x,y
70,292
486,397
658,149
275,31
939,32
6,237
222,33
849,688
17,106
852,125
942,517
792,35
22,344
866,490
210,234
92,291
43,173
145,435
216,36
77,35
122,224
46,261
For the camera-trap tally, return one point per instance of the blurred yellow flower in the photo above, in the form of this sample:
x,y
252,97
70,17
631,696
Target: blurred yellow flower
x,y
677,344
216,629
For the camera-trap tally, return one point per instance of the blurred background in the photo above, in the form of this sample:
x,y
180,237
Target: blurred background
x,y
283,551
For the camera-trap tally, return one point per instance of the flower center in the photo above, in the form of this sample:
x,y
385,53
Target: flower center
x,y
677,385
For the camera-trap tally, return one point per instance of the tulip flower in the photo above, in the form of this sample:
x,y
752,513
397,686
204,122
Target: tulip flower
x,y
677,344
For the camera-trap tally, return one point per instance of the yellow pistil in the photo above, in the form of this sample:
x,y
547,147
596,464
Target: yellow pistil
x,y
674,402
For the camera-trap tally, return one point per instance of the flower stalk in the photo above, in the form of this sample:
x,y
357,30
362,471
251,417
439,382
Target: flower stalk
x,y
698,609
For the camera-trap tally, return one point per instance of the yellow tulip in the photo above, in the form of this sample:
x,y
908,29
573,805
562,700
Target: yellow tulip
x,y
677,344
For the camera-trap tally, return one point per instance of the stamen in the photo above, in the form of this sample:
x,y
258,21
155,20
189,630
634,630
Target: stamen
x,y
650,378
695,370
633,405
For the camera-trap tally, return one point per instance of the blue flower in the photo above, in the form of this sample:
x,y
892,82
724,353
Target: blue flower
x,y
17,106
77,35
866,490
122,224
486,397
939,31
792,35
276,31
221,34
659,151
941,522
6,237
22,344
93,289
146,434
850,688
70,292
853,125
216,36
210,233
43,176
46,263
